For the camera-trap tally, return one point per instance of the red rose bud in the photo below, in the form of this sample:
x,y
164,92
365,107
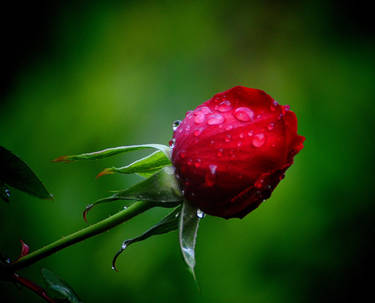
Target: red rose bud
x,y
232,151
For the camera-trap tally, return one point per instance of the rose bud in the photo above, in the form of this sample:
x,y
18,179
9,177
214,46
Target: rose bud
x,y
232,151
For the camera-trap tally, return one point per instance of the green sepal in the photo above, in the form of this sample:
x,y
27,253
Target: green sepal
x,y
144,167
188,229
167,224
108,152
59,287
161,189
16,173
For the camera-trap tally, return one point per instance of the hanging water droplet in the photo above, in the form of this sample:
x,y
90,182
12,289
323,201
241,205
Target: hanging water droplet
x,y
200,214
228,138
259,140
215,119
125,207
250,133
176,124
224,106
244,114
124,245
271,126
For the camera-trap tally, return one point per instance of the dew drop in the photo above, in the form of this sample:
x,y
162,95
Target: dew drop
x,y
244,114
172,143
205,110
271,126
229,127
224,106
215,119
189,162
124,245
200,214
220,152
239,144
212,141
125,207
242,135
228,138
212,168
197,164
259,140
259,116
182,155
250,133
197,132
176,124
199,117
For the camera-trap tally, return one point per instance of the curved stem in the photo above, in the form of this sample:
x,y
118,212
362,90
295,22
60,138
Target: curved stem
x,y
81,235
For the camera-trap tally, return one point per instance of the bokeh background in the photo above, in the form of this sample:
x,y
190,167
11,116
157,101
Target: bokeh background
x,y
79,76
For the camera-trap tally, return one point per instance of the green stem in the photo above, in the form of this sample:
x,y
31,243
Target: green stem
x,y
81,235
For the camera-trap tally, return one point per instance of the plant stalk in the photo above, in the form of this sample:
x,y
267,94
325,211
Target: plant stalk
x,y
81,235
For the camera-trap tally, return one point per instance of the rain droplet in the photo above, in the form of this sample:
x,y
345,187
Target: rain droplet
x,y
271,126
228,138
250,133
259,140
259,116
220,152
188,113
123,246
244,114
215,119
172,143
125,207
197,132
189,162
199,117
205,110
200,214
239,144
197,163
212,168
224,106
229,127
182,155
212,142
242,135
176,124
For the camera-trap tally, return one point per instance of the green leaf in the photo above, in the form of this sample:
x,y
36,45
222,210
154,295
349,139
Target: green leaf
x,y
14,172
114,151
167,224
145,166
59,287
188,228
160,189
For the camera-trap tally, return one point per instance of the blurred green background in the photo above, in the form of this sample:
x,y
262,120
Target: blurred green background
x,y
80,76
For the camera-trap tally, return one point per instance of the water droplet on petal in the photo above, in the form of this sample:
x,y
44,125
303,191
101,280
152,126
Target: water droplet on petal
x,y
197,132
224,106
242,135
197,163
250,133
172,142
271,126
176,124
189,162
259,140
212,142
215,119
228,138
244,114
220,152
229,127
205,110
259,116
199,117
182,155
200,214
239,144
212,168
